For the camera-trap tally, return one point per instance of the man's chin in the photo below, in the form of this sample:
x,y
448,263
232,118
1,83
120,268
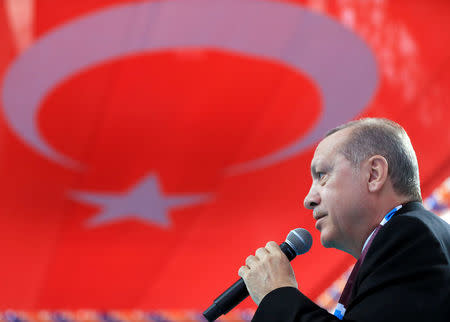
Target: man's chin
x,y
328,245
326,241
332,244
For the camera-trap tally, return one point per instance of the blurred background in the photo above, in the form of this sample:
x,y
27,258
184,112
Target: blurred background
x,y
148,147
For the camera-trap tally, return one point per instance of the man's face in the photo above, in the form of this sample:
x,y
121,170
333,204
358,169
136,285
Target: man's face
x,y
337,194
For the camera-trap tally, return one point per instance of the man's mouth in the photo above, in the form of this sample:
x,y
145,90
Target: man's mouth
x,y
318,216
319,221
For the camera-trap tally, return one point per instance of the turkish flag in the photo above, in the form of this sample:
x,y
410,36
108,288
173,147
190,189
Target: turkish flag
x,y
148,147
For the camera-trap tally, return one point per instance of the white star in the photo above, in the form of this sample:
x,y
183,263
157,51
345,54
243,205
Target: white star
x,y
144,201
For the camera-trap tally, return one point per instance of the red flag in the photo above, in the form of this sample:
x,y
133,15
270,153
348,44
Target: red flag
x,y
147,148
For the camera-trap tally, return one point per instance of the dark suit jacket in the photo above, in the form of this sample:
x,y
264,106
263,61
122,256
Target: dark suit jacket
x,y
404,277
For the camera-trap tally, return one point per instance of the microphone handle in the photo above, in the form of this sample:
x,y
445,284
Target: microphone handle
x,y
237,292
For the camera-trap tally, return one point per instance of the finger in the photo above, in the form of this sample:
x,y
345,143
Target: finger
x,y
261,253
273,248
243,270
251,260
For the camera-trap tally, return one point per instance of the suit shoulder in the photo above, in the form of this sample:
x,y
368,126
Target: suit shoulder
x,y
422,228
424,221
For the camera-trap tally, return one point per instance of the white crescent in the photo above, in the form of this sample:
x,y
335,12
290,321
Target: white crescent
x,y
339,61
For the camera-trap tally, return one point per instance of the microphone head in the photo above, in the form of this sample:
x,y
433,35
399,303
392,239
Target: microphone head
x,y
300,240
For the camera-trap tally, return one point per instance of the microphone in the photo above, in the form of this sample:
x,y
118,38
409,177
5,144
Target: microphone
x,y
298,242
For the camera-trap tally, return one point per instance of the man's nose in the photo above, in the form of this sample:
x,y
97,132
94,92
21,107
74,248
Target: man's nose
x,y
312,199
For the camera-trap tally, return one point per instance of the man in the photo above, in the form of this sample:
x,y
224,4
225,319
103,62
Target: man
x,y
366,201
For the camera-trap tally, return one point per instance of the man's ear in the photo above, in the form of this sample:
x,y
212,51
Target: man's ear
x,y
377,167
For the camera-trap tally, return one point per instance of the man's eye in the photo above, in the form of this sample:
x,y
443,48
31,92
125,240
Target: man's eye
x,y
320,175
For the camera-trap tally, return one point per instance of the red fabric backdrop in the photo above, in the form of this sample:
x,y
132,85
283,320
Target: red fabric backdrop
x,y
172,122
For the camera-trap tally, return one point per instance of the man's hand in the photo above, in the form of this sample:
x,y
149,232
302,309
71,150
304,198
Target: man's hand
x,y
269,269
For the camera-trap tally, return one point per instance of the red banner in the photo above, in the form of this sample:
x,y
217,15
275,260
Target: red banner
x,y
148,147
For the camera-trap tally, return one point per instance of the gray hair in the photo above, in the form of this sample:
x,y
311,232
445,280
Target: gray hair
x,y
378,136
